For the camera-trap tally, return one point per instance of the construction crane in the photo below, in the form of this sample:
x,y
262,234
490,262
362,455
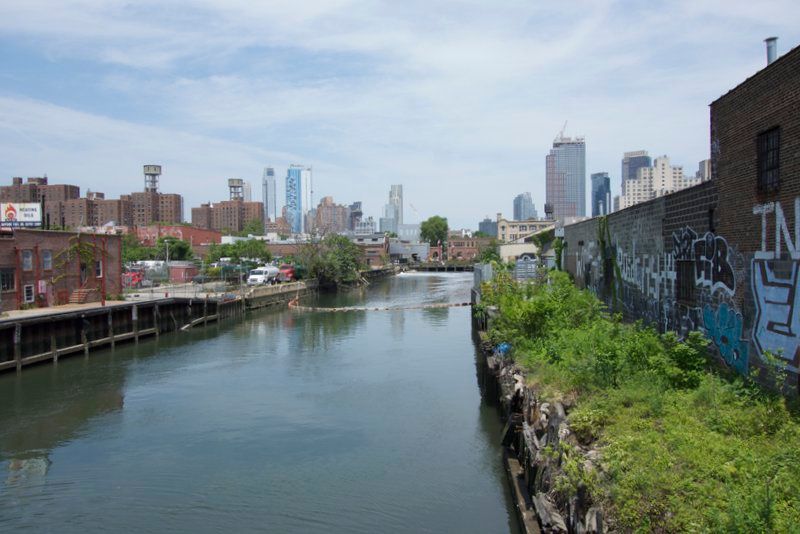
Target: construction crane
x,y
413,208
561,133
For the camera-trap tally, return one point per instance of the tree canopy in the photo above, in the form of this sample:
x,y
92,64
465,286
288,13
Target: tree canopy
x,y
434,230
252,227
133,250
333,261
245,249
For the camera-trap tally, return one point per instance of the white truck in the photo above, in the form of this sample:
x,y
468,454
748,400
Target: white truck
x,y
266,274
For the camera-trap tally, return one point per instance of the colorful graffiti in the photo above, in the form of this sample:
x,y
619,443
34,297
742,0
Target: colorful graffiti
x,y
777,324
724,326
775,275
711,256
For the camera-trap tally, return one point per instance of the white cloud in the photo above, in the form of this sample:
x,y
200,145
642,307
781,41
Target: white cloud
x,y
459,101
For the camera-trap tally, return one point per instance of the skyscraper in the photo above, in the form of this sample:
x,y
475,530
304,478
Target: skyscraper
x,y
307,190
268,194
396,198
393,210
631,163
294,200
601,194
566,177
524,208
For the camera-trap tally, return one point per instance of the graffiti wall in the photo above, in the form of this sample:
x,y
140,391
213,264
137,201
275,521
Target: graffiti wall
x,y
662,262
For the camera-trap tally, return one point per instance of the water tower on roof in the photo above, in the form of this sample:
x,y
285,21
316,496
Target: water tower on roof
x,y
236,187
151,175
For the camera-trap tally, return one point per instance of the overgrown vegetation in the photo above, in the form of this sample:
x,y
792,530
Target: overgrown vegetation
x,y
254,250
684,448
334,261
133,250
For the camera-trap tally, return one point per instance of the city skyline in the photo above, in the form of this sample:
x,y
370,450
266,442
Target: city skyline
x,y
276,84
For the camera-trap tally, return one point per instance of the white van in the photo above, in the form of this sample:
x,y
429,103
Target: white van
x,y
263,275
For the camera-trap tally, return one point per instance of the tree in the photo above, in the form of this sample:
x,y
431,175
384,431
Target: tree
x,y
133,251
179,250
481,234
333,261
490,253
434,230
251,249
252,227
254,249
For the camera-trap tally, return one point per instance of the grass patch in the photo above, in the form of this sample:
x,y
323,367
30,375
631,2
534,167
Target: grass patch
x,y
684,448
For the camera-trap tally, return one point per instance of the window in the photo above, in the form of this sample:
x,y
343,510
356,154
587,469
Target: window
x,y
7,280
27,260
28,293
768,145
98,268
47,260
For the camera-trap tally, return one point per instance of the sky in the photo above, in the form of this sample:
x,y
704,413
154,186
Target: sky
x,y
459,101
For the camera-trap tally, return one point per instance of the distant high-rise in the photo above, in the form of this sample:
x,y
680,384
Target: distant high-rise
x,y
393,210
294,200
396,199
268,194
524,208
356,214
601,194
307,190
658,180
488,227
566,177
703,173
631,163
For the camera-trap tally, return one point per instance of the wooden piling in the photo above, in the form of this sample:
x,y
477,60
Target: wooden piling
x,y
111,328
135,321
84,336
18,346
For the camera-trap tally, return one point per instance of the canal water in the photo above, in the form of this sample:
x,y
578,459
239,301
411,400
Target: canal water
x,y
284,422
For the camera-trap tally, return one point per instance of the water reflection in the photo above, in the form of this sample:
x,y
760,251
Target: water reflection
x,y
287,422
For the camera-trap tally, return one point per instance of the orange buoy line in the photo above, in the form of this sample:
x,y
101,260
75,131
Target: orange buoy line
x,y
295,306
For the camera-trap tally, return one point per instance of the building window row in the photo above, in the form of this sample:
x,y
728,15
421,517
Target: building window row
x,y
27,260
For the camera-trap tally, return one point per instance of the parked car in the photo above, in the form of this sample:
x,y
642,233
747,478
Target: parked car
x,y
201,279
263,275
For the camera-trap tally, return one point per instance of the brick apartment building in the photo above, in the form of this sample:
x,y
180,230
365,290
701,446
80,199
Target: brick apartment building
x,y
227,215
40,268
65,208
722,257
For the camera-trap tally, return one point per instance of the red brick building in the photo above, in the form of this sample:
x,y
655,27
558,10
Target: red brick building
x,y
375,248
463,248
40,268
228,215
148,235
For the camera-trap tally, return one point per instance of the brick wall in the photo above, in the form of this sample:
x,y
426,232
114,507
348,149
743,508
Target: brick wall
x,y
722,257
45,269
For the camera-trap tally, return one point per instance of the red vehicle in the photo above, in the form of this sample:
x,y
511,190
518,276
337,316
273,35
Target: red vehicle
x,y
132,279
286,273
